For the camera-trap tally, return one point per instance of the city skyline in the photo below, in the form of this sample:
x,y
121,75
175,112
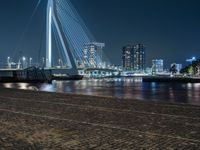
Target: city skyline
x,y
99,74
171,35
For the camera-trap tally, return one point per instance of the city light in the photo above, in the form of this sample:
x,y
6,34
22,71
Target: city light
x,y
190,60
30,61
24,58
65,94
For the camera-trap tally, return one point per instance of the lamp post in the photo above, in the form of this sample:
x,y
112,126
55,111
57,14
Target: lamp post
x,y
59,62
8,62
24,63
30,62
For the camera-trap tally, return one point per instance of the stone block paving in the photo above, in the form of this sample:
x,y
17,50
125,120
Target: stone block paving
x,y
46,121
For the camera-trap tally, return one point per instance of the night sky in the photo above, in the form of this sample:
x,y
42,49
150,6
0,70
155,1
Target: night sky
x,y
170,29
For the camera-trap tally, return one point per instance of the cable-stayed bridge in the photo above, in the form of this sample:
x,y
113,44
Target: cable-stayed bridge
x,y
73,39
76,47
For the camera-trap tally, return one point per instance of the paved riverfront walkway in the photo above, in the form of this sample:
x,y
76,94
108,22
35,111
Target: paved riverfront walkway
x,y
36,121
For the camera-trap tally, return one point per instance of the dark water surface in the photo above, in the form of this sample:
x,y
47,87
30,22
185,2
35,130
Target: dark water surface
x,y
122,87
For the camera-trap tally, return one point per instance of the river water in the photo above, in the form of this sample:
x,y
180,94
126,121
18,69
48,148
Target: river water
x,y
132,88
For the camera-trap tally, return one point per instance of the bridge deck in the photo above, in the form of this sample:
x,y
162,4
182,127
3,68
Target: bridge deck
x,y
40,120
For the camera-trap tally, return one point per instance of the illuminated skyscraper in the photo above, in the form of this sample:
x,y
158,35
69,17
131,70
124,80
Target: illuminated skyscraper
x,y
139,57
91,51
127,58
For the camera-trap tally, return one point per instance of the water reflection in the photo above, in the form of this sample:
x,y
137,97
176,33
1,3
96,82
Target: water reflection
x,y
123,88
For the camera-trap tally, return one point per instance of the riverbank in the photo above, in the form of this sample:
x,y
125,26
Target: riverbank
x,y
172,79
40,120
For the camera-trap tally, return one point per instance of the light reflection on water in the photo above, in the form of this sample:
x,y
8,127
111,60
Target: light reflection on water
x,y
123,88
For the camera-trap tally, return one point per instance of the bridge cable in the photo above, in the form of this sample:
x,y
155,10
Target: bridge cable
x,y
26,28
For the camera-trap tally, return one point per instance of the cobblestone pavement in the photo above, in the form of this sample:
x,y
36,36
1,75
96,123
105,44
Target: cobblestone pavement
x,y
37,120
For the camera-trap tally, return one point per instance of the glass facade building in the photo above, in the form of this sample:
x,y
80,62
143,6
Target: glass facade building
x,y
128,58
157,66
133,58
139,57
92,53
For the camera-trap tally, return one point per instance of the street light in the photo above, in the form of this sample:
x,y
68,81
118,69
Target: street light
x,y
8,62
30,62
24,58
24,63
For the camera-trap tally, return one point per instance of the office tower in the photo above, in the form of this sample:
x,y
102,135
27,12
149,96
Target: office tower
x,y
93,54
139,57
128,58
157,66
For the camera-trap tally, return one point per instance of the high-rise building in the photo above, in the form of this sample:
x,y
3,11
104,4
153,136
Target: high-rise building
x,y
157,66
133,57
178,67
93,54
139,57
128,58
